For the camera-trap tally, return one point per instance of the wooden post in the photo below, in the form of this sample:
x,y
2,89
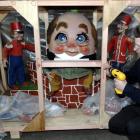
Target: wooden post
x,y
2,71
111,10
29,9
15,134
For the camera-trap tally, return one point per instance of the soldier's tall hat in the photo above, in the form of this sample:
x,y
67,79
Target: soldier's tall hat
x,y
16,26
126,20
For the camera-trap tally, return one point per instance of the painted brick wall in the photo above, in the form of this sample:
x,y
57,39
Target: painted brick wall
x,y
31,92
72,92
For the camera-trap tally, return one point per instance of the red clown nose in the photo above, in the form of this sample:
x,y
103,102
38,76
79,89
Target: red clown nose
x,y
16,26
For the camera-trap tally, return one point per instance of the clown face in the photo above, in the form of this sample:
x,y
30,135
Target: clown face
x,y
72,35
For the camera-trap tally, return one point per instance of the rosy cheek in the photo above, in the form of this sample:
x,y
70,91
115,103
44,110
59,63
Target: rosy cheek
x,y
59,49
84,50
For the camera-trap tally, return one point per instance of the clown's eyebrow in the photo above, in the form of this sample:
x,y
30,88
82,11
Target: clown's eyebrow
x,y
84,26
61,24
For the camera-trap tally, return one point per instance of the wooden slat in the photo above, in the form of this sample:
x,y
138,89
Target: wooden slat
x,y
6,9
95,63
70,3
38,59
134,2
59,2
13,126
5,3
104,60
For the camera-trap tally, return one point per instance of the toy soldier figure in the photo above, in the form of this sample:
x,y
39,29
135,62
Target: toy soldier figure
x,y
119,44
13,52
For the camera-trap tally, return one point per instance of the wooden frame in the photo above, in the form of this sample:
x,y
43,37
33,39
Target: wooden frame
x,y
29,9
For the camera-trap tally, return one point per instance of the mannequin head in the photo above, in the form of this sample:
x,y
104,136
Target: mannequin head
x,y
72,34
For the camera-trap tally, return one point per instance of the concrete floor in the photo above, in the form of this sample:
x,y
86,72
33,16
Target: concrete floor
x,y
71,135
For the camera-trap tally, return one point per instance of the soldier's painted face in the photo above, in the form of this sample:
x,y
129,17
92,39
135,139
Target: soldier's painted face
x,y
18,35
73,34
121,27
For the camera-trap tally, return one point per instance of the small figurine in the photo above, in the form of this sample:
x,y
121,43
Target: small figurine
x,y
12,56
120,44
71,36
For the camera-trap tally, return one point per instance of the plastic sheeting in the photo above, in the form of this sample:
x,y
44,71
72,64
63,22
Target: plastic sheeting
x,y
113,104
23,106
19,105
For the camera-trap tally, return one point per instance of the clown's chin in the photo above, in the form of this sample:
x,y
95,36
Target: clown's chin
x,y
65,56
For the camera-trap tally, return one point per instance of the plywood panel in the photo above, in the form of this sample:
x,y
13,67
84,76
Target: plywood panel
x,y
113,8
37,124
26,9
73,119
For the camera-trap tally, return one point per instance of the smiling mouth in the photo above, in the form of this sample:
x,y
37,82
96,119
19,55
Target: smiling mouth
x,y
71,53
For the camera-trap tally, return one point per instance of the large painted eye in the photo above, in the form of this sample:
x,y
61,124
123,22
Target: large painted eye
x,y
61,38
82,38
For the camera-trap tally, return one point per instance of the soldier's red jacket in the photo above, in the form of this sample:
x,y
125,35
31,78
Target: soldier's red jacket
x,y
119,46
15,48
